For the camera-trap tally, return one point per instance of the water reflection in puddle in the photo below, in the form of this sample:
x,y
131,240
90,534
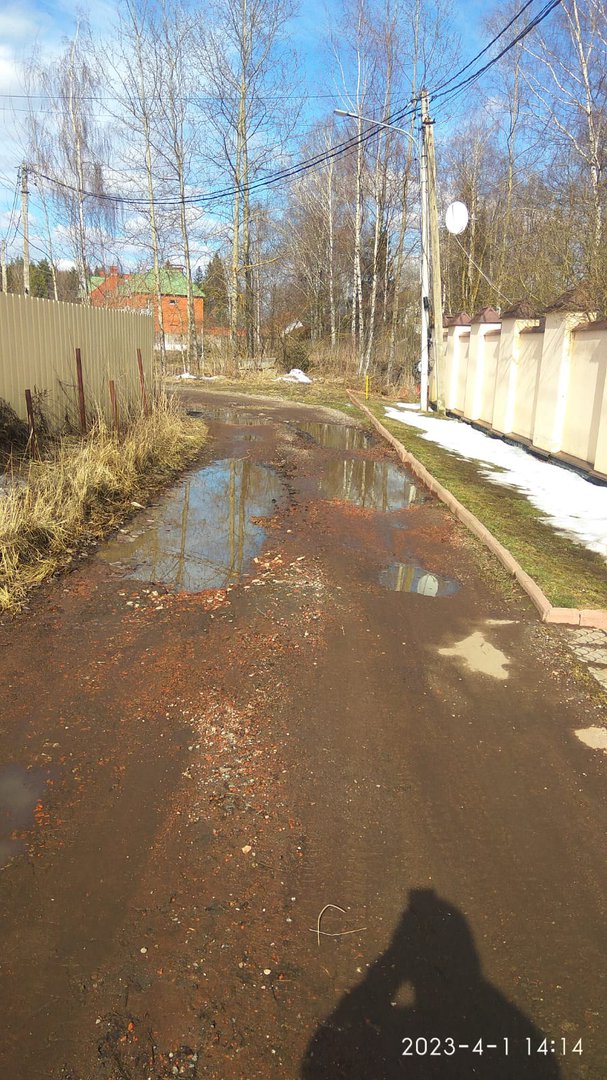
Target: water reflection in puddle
x,y
336,436
20,790
231,415
374,485
412,578
202,535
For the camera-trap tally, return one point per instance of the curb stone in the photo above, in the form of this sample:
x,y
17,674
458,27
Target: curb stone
x,y
586,617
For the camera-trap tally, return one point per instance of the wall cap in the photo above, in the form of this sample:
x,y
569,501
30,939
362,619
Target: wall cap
x,y
487,315
521,310
573,300
461,319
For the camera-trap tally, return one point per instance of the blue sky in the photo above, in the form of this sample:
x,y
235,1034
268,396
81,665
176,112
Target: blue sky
x,y
25,24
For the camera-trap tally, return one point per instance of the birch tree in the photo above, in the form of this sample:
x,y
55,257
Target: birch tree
x,y
566,74
136,75
243,60
70,146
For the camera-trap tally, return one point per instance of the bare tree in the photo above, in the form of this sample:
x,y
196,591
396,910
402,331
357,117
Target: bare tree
x,y
243,58
132,60
566,73
70,145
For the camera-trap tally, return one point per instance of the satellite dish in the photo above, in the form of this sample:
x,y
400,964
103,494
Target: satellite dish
x,y
456,218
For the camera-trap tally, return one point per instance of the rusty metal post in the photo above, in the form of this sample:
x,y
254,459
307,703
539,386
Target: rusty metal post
x,y
144,395
32,424
81,403
114,401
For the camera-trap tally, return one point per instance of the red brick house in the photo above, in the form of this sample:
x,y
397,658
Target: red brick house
x,y
138,291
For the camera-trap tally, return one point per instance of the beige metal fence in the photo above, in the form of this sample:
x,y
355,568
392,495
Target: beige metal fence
x,y
38,343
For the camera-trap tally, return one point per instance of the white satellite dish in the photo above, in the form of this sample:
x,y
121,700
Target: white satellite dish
x,y
456,218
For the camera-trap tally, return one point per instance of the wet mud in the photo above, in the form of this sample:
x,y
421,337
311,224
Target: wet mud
x,y
270,809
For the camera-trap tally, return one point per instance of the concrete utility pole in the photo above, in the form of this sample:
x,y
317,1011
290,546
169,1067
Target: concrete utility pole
x,y
4,272
424,276
25,220
436,281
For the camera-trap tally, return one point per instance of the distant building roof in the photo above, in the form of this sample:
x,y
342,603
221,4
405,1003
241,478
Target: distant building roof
x,y
172,283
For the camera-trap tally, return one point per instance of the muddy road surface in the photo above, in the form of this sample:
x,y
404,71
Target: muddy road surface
x,y
290,788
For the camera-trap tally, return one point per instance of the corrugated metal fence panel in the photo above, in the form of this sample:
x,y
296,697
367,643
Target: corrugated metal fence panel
x,y
38,342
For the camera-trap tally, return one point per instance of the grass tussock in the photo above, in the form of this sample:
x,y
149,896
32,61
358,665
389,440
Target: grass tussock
x,y
82,488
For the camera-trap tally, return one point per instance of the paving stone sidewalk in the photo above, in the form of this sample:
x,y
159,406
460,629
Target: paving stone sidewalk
x,y
590,646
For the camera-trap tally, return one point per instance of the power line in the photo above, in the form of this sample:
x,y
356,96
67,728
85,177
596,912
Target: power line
x,y
255,185
449,95
484,50
12,214
444,92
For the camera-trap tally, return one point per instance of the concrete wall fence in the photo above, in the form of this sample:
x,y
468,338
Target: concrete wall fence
x,y
538,379
38,342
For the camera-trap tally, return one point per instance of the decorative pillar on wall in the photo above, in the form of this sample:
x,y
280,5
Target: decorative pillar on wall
x,y
483,323
514,320
455,326
571,309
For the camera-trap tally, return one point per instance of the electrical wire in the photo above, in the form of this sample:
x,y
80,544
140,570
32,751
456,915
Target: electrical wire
x,y
467,82
444,93
481,272
11,217
265,181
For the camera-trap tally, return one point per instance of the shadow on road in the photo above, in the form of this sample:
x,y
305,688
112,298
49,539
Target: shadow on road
x,y
432,962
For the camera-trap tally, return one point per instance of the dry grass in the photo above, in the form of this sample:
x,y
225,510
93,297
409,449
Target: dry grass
x,y
82,488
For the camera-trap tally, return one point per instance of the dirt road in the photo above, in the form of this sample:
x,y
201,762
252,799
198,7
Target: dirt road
x,y
355,711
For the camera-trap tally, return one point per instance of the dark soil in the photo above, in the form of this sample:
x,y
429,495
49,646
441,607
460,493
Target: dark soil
x,y
218,767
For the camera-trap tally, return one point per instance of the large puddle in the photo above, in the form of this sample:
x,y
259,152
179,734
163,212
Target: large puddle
x,y
205,533
413,578
20,792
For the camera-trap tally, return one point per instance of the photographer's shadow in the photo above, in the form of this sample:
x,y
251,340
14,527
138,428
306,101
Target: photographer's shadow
x,y
432,959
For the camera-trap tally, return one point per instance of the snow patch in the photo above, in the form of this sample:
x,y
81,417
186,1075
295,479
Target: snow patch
x,y
295,375
569,502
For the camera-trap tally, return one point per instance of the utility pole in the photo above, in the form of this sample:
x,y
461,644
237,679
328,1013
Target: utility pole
x,y
436,282
4,273
424,275
25,220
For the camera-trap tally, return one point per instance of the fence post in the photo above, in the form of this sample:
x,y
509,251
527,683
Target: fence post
x,y
144,396
32,424
114,401
81,404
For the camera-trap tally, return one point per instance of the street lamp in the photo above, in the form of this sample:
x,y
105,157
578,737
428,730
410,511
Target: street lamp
x,y
424,269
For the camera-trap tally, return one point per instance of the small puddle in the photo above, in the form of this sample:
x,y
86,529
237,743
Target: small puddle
x,y
373,485
594,737
204,534
479,655
413,578
20,791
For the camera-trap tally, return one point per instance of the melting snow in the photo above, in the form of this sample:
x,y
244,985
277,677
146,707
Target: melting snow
x,y
295,375
569,502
